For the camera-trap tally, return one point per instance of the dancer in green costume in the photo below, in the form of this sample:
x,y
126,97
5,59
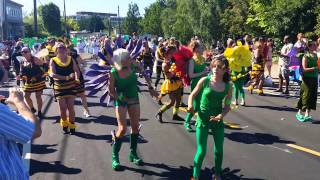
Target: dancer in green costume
x,y
216,89
197,69
238,79
123,88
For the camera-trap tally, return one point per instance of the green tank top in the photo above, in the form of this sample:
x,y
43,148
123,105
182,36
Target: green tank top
x,y
312,61
197,68
126,87
211,103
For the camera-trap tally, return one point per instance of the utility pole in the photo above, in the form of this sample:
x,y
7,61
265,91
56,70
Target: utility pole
x,y
119,20
65,17
35,19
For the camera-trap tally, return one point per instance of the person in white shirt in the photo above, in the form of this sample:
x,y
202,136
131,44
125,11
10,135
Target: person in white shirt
x,y
284,62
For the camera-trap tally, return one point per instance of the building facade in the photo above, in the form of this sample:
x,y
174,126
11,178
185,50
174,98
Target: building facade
x,y
11,21
85,14
114,20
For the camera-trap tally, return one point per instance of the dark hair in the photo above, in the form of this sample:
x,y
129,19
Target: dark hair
x,y
194,45
311,43
166,50
226,76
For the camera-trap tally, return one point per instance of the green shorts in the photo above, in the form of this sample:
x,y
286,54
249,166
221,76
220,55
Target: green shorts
x,y
118,103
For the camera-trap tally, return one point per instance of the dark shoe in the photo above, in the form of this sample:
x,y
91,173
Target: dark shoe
x,y
187,126
159,117
176,117
72,131
286,92
183,105
278,90
64,124
65,130
72,128
40,115
33,110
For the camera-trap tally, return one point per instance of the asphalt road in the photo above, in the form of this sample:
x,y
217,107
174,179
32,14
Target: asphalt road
x,y
261,142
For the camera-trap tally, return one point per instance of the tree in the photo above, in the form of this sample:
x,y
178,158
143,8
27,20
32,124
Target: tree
x,y
29,26
73,25
50,14
234,17
151,23
282,17
182,27
131,22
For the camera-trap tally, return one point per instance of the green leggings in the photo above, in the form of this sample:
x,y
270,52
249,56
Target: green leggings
x,y
202,140
238,88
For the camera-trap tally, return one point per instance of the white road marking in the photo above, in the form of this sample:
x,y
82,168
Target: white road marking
x,y
26,155
275,147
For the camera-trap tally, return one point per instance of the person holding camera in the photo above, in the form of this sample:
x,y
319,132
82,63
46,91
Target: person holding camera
x,y
15,129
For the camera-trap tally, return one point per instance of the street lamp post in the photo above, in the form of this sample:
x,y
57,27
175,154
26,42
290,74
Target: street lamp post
x,y
65,18
35,19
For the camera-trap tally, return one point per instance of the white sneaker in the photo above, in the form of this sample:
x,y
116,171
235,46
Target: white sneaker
x,y
86,114
242,103
216,177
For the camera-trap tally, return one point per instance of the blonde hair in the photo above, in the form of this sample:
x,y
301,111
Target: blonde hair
x,y
119,56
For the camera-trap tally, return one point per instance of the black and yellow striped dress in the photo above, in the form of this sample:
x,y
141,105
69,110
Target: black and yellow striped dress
x,y
32,77
81,85
64,88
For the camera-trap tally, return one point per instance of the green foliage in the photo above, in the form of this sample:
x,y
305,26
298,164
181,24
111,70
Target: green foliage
x,y
151,22
281,17
218,19
28,22
132,21
234,17
50,14
73,25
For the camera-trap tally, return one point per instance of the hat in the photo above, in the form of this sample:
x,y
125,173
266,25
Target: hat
x,y
59,45
119,56
25,49
4,57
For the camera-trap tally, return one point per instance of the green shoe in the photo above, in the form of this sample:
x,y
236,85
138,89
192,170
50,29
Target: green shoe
x,y
300,117
187,126
116,146
133,157
307,118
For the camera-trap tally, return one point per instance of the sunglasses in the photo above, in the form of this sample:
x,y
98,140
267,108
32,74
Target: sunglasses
x,y
219,66
24,52
62,48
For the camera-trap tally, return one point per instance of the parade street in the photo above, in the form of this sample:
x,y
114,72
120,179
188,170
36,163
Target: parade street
x,y
263,140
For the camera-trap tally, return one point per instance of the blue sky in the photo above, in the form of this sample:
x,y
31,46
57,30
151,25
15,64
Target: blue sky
x,y
72,6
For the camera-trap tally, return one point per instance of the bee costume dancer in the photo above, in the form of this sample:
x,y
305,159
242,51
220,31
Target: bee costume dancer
x,y
33,79
65,73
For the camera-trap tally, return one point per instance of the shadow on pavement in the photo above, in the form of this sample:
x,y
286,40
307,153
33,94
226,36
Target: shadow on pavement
x,y
182,172
51,167
276,108
256,138
43,148
315,122
227,173
92,136
108,120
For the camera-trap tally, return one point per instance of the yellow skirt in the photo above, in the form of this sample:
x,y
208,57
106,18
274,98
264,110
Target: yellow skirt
x,y
170,86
